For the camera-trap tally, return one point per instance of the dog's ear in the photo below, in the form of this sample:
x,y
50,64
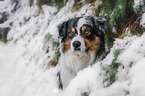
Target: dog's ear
x,y
62,29
99,24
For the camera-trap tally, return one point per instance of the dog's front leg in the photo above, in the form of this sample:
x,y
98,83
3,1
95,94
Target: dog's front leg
x,y
66,75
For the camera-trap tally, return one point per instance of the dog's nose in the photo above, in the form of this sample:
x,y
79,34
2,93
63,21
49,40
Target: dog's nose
x,y
76,44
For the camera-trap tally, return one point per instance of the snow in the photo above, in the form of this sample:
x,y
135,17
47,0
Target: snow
x,y
87,80
90,80
137,3
137,81
134,52
23,60
143,20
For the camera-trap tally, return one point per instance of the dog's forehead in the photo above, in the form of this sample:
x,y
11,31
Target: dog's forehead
x,y
83,21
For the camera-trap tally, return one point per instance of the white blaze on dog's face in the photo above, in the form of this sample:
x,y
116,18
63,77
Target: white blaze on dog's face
x,y
77,43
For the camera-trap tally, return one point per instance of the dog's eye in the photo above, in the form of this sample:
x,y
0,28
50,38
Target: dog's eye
x,y
87,33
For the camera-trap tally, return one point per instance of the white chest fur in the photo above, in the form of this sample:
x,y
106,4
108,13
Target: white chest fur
x,y
72,62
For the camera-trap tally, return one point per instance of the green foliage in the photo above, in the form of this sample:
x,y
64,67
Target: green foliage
x,y
112,69
3,34
108,38
115,9
51,44
126,92
140,8
3,17
117,14
85,94
58,3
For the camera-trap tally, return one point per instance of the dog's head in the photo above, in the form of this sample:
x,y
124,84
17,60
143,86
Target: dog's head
x,y
83,34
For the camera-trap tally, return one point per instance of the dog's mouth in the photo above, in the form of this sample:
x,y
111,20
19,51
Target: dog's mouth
x,y
79,53
77,49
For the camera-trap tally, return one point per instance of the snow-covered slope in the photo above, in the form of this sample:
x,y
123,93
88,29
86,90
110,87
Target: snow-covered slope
x,y
33,42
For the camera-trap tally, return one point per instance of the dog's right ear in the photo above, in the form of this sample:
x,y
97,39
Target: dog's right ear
x,y
62,28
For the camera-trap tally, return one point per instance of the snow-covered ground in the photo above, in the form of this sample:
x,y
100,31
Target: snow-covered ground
x,y
32,44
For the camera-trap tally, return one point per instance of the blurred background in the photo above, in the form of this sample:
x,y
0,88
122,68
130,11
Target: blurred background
x,y
29,44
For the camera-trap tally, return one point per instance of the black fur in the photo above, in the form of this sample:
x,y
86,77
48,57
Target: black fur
x,y
65,27
60,83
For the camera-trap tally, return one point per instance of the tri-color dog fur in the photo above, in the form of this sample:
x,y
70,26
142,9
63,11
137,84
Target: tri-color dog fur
x,y
82,42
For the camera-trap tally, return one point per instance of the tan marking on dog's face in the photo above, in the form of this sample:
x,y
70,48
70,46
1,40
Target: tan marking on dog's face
x,y
73,30
83,29
67,45
93,45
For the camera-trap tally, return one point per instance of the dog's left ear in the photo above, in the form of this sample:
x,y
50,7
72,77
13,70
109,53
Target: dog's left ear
x,y
99,24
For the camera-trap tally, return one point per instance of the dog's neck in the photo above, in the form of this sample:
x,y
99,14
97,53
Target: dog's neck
x,y
72,62
76,61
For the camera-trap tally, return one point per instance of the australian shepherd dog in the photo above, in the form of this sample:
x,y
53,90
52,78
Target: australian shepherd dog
x,y
82,43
